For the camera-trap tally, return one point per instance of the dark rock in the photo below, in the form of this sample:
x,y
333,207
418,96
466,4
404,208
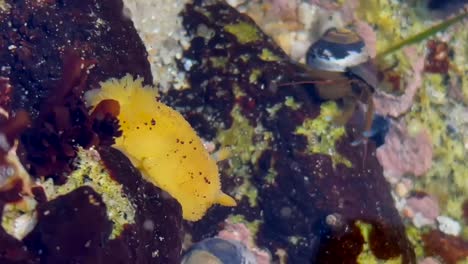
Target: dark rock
x,y
156,236
307,187
73,228
47,49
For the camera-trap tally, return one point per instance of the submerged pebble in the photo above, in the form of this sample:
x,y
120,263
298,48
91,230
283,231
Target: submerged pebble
x,y
218,251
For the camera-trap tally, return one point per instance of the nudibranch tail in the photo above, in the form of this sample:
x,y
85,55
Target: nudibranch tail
x,y
225,200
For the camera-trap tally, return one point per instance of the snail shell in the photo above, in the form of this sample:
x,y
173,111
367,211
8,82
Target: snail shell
x,y
218,251
337,50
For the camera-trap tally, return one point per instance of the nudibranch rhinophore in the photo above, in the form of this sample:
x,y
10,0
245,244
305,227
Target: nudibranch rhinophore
x,y
163,146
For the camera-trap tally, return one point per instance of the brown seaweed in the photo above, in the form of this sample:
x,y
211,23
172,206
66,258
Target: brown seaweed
x,y
47,49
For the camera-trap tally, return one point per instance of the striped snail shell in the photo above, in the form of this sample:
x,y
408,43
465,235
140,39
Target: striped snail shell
x,y
337,50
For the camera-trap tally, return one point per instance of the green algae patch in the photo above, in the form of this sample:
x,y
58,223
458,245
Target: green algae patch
x,y
244,151
436,89
251,225
239,138
437,112
244,32
291,103
18,219
322,134
90,172
248,190
268,55
270,178
4,7
204,12
254,74
218,62
366,256
415,237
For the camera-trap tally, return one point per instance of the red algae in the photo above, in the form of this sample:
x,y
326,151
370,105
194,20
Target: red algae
x,y
395,106
465,211
450,248
437,57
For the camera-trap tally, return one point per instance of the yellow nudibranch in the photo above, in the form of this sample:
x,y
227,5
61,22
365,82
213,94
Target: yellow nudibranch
x,y
163,146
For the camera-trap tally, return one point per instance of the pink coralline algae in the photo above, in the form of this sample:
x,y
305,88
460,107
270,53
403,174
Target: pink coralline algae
x,y
369,36
285,8
427,206
364,29
387,104
325,4
429,260
239,232
403,153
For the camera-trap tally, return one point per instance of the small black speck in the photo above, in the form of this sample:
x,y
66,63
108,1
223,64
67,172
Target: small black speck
x,y
184,157
137,127
153,122
177,140
182,142
146,123
194,148
199,173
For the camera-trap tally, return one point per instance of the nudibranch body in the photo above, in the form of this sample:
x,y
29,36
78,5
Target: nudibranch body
x,y
163,146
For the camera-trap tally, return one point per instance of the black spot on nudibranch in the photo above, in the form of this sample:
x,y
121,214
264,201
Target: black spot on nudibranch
x,y
206,180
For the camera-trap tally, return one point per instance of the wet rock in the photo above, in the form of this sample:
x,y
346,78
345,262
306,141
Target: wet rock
x,y
60,236
156,236
235,87
51,52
